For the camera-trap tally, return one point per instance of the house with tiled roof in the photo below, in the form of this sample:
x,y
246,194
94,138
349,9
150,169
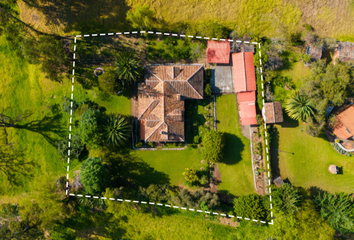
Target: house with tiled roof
x,y
345,124
161,100
344,51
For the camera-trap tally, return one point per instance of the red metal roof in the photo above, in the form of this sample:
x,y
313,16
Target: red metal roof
x,y
246,96
218,52
244,72
247,103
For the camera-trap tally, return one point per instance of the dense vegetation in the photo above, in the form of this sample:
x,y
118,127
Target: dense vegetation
x,y
113,171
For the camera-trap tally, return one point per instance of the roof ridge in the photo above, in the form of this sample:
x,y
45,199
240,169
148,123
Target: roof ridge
x,y
153,100
190,79
153,74
154,130
244,69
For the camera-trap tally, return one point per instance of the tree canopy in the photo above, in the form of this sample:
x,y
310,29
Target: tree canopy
x,y
89,128
299,107
127,67
329,85
338,210
250,206
142,17
94,175
115,129
287,199
213,144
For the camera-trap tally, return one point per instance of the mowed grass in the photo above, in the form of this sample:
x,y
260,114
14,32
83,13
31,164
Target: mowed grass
x,y
295,72
24,88
272,18
308,166
236,166
173,163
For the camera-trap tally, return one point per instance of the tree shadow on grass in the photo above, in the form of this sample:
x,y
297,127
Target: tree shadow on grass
x,y
87,16
274,153
50,128
232,150
86,223
129,170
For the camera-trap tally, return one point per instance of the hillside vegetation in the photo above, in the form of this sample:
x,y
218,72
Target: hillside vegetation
x,y
272,18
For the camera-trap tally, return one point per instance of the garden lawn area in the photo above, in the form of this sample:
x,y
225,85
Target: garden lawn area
x,y
308,166
295,73
236,166
24,88
173,163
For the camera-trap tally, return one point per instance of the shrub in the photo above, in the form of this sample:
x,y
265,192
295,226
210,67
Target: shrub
x,y
250,206
138,144
208,90
94,175
76,147
67,105
151,144
337,140
308,27
196,139
88,129
190,174
204,180
213,144
349,154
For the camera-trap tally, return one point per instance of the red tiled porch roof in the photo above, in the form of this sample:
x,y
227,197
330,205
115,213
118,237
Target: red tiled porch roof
x,y
218,52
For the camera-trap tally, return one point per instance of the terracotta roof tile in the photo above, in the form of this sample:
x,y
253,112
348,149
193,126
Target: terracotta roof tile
x,y
218,52
272,112
160,99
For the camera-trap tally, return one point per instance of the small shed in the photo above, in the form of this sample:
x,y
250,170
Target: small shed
x,y
272,112
344,51
218,52
333,169
278,182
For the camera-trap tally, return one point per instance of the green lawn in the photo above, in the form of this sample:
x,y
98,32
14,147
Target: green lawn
x,y
308,166
236,167
173,163
24,88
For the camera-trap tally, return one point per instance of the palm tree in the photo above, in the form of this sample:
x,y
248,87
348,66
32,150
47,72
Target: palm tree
x,y
299,107
115,129
127,67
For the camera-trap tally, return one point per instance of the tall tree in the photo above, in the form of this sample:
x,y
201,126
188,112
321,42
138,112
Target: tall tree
x,y
299,107
338,210
127,67
328,85
115,129
287,199
94,175
306,224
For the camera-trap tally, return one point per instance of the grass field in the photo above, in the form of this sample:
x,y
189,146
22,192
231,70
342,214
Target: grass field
x,y
272,18
308,165
236,166
24,88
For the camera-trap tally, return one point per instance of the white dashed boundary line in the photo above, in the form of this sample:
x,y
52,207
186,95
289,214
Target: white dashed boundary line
x,y
152,203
